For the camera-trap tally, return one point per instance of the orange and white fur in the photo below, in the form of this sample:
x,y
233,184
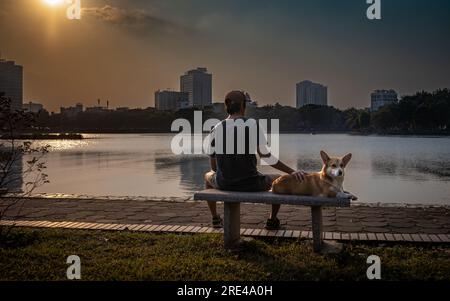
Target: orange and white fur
x,y
326,183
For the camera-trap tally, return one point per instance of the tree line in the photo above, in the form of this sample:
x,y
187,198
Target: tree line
x,y
422,113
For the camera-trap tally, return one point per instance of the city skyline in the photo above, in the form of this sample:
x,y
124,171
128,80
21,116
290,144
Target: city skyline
x,y
124,52
307,92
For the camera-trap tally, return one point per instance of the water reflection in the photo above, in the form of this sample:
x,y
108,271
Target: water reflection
x,y
12,177
190,168
60,145
309,164
192,172
415,168
382,165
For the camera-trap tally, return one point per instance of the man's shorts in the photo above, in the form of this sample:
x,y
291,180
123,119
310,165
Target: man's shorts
x,y
264,185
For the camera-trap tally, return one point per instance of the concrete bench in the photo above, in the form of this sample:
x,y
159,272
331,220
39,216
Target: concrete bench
x,y
232,201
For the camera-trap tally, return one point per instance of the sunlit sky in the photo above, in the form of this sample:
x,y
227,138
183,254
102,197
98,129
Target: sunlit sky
x,y
122,51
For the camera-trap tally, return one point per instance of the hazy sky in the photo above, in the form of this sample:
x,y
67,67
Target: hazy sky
x,y
125,50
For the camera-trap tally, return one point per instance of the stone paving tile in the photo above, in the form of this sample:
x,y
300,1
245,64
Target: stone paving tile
x,y
377,229
174,211
434,231
348,229
403,224
428,225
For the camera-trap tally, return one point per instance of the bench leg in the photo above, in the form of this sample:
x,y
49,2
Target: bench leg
x,y
231,224
317,230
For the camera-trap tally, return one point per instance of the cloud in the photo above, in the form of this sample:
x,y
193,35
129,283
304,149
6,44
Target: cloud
x,y
138,19
5,7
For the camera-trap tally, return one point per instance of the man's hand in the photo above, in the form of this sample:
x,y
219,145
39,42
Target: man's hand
x,y
299,175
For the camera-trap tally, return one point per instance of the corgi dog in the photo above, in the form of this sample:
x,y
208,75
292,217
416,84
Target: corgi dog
x,y
326,183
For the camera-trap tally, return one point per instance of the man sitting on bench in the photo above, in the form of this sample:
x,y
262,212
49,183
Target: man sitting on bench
x,y
237,171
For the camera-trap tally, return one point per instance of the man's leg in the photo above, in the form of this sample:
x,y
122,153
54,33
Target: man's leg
x,y
275,210
213,208
275,207
273,222
210,183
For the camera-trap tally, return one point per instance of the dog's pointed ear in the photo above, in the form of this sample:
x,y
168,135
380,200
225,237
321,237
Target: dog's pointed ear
x,y
346,159
325,157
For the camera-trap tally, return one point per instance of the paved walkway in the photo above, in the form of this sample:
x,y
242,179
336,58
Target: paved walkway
x,y
183,212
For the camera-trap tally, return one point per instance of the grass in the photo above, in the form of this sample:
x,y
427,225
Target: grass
x,y
40,254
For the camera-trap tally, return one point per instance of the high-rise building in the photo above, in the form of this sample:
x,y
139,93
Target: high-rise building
x,y
381,98
198,83
309,93
171,100
11,83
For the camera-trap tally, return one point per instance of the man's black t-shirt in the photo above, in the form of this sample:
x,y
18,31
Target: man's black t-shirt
x,y
236,166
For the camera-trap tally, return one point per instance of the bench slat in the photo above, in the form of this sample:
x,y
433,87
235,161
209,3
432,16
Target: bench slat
x,y
268,198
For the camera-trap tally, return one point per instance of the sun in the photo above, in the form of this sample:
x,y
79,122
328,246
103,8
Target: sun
x,y
53,2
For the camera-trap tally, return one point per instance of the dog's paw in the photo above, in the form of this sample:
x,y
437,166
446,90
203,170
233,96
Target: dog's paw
x,y
345,195
352,196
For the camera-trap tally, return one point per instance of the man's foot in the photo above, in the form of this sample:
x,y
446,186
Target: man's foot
x,y
273,224
217,222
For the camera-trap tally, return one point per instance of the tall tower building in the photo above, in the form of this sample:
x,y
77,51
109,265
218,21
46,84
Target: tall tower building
x,y
381,98
311,93
198,84
11,83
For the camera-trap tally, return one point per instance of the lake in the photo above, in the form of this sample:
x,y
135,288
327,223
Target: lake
x,y
414,170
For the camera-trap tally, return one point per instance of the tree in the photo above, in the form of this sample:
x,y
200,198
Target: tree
x,y
21,163
351,117
364,119
384,119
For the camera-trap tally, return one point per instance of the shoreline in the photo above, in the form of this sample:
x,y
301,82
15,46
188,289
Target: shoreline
x,y
54,134
43,136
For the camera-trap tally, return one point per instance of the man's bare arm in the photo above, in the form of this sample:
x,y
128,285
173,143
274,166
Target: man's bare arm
x,y
299,175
